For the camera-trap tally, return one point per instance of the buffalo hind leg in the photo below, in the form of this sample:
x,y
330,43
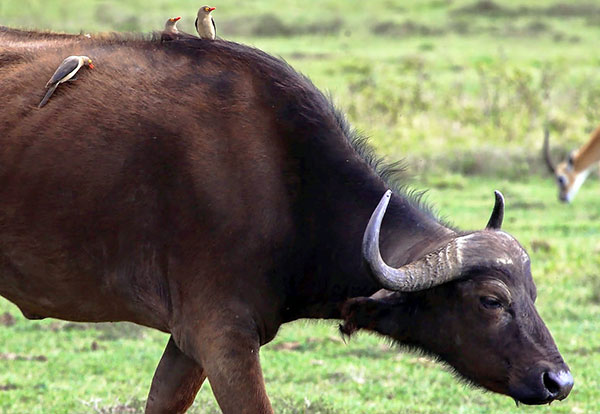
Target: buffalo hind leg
x,y
175,384
229,355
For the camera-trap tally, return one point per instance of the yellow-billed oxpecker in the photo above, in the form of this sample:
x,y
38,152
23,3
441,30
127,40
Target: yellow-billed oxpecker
x,y
205,24
171,30
65,72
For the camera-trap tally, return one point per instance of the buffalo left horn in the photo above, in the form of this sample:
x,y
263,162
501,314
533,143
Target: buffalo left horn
x,y
433,269
497,213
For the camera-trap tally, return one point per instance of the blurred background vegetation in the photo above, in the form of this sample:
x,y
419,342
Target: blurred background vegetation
x,y
460,90
460,85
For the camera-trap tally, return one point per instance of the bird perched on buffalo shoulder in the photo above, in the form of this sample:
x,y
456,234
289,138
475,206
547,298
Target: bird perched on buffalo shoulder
x,y
65,72
205,24
170,32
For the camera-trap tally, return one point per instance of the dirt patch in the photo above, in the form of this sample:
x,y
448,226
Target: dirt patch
x,y
130,407
405,29
486,8
309,344
586,351
9,356
485,161
113,331
72,326
593,281
371,353
6,319
309,56
540,246
287,346
462,26
527,205
327,27
452,181
493,9
536,27
108,331
572,10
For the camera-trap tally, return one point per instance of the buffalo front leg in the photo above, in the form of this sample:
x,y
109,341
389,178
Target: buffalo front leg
x,y
176,382
229,355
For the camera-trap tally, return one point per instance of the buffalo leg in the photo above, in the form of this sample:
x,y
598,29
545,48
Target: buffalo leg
x,y
176,382
230,358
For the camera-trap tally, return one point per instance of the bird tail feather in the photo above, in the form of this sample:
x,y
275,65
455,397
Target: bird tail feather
x,y
47,96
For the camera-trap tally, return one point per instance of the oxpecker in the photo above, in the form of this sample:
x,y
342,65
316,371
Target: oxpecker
x,y
65,72
205,24
170,31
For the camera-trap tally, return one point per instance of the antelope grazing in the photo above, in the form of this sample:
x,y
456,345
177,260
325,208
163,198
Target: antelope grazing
x,y
571,174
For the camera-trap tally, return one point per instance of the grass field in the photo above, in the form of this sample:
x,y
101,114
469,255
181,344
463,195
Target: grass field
x,y
460,90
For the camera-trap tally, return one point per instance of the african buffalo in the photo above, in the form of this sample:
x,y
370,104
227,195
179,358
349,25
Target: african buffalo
x,y
206,189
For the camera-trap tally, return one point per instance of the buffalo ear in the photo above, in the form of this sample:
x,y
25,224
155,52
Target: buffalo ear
x,y
355,314
370,313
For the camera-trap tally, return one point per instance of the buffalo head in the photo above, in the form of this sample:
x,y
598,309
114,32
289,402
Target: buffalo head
x,y
470,302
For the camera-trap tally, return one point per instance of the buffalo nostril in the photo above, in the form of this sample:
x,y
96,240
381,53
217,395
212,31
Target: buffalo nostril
x,y
558,384
550,384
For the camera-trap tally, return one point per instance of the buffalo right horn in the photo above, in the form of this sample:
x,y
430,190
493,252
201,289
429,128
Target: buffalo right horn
x,y
495,222
431,270
546,151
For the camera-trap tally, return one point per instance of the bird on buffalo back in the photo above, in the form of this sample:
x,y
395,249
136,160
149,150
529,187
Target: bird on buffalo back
x,y
170,32
66,72
205,24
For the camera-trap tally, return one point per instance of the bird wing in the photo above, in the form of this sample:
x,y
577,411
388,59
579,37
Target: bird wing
x,y
68,66
196,25
214,25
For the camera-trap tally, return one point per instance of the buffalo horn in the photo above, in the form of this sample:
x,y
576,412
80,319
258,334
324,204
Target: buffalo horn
x,y
431,270
495,222
546,150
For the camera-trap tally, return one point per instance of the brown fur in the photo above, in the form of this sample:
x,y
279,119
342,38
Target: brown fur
x,y
205,189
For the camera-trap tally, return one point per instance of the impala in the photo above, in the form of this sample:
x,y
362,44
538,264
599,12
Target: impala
x,y
571,174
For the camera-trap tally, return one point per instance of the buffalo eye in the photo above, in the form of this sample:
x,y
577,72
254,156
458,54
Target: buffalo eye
x,y
489,302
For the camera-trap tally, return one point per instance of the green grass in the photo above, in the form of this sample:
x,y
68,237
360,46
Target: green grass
x,y
462,98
